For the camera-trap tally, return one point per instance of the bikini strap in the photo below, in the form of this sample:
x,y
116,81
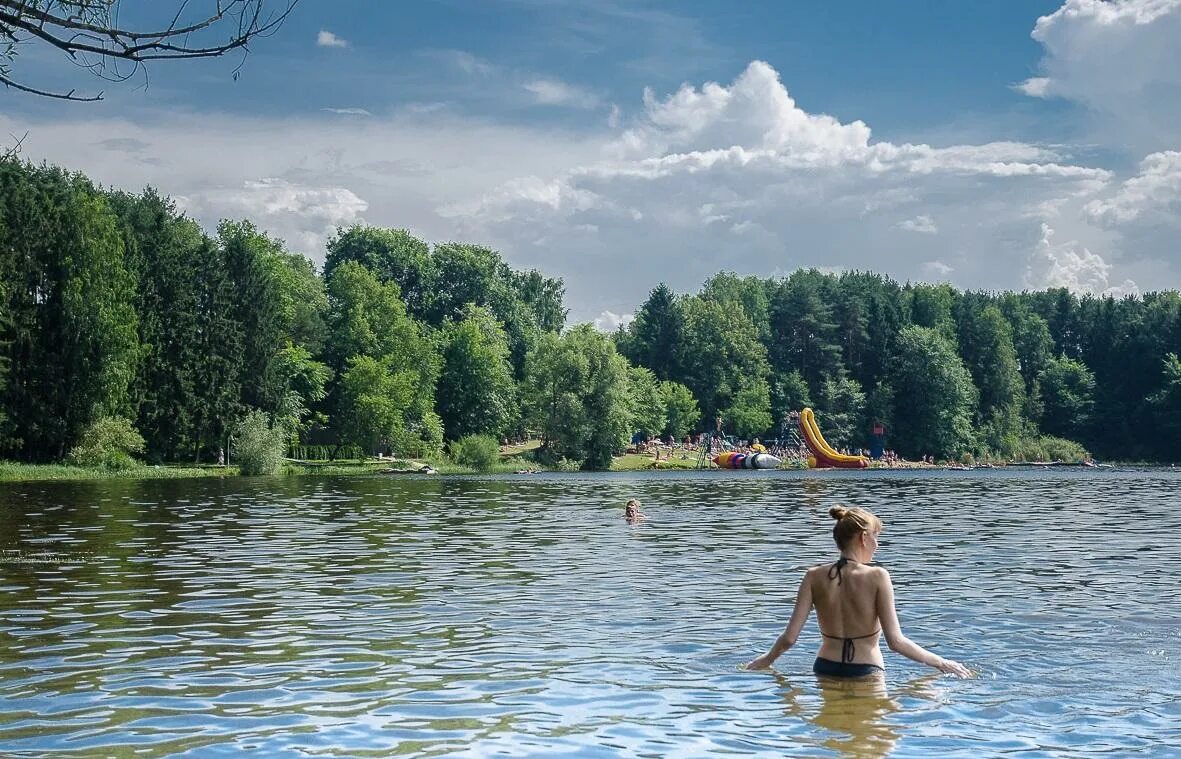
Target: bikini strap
x,y
834,572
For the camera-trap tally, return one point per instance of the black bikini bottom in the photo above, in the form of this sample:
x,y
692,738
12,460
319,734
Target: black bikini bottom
x,y
831,668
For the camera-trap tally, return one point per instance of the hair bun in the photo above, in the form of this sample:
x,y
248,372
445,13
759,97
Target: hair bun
x,y
838,512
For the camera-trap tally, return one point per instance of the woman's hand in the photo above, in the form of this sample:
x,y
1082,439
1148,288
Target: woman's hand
x,y
949,667
762,662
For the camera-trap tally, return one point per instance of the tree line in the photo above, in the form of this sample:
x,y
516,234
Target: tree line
x,y
120,314
117,312
946,372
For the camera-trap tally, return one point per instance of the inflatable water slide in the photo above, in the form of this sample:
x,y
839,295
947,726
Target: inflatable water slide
x,y
823,454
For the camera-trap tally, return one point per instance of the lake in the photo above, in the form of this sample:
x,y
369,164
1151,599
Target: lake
x,y
521,615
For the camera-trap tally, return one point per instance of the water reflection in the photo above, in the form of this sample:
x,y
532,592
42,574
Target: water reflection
x,y
852,714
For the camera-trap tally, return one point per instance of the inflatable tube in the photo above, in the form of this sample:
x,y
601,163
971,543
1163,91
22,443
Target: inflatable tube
x,y
823,454
729,460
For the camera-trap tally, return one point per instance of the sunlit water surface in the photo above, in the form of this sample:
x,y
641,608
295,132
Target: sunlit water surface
x,y
523,616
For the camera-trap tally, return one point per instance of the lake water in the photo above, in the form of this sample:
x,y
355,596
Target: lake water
x,y
370,616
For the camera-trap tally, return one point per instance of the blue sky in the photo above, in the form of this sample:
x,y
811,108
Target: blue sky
x,y
966,142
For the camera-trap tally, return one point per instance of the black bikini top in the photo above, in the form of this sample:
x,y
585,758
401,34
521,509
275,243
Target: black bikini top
x,y
848,649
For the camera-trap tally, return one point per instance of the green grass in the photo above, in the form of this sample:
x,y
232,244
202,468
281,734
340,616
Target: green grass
x,y
631,462
11,471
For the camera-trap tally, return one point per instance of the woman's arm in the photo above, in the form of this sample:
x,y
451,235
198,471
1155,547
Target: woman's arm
x,y
899,642
791,633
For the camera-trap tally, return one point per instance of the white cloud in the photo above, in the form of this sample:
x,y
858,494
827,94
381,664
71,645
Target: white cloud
x,y
468,63
738,177
306,214
327,39
741,177
614,116
1156,190
1072,266
936,270
1035,87
922,224
555,92
347,111
609,322
1122,61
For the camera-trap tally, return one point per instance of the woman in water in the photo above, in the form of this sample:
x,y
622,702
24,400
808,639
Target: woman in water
x,y
854,605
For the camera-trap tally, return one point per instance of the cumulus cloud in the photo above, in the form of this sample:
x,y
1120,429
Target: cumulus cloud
x,y
922,224
937,270
327,39
1122,61
736,176
555,92
1072,266
609,322
1155,191
306,215
742,177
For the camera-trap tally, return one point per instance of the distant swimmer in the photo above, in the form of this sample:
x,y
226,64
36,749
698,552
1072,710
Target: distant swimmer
x,y
632,513
854,605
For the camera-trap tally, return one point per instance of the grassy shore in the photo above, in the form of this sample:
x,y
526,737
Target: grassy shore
x,y
11,471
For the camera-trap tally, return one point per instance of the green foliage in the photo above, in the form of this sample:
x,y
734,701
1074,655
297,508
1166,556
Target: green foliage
x,y
1068,397
804,331
480,452
648,410
116,305
109,442
374,400
390,255
576,393
476,393
71,330
298,381
1048,448
680,409
986,340
1166,402
841,410
386,366
258,446
652,338
789,393
724,365
934,398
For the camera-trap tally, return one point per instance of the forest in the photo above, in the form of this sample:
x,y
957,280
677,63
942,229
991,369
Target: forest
x,y
122,319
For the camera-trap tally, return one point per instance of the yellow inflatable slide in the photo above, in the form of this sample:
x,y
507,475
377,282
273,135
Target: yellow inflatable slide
x,y
823,454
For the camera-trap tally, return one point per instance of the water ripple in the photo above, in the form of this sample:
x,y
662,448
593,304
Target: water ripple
x,y
473,616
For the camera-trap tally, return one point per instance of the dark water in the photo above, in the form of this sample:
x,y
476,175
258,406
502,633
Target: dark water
x,y
523,616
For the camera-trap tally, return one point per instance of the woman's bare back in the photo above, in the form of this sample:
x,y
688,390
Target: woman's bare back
x,y
845,595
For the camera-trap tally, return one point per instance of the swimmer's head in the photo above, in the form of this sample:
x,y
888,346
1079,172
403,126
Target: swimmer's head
x,y
852,524
632,508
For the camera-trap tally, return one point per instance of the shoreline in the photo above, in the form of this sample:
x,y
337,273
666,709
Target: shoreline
x,y
18,472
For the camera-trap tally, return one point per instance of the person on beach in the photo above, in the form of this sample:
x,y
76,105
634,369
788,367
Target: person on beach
x,y
632,513
854,606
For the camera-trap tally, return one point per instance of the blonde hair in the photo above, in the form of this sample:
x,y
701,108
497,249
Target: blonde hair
x,y
633,503
851,523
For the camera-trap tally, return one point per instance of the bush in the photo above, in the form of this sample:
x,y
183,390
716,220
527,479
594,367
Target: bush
x,y
1048,448
258,447
108,442
480,452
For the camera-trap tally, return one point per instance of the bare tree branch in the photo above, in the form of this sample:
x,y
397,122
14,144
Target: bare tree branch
x,y
89,33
